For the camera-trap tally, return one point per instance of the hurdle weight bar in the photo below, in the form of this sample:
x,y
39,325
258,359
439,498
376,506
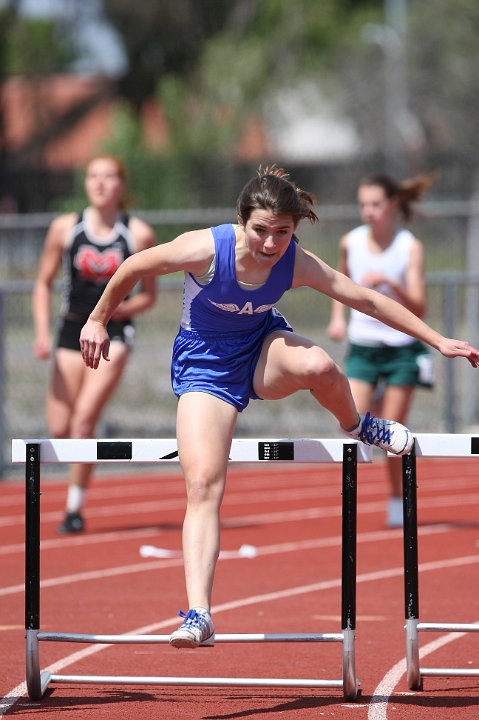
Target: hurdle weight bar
x,y
36,452
427,445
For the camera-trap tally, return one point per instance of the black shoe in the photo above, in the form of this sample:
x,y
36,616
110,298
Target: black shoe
x,y
72,523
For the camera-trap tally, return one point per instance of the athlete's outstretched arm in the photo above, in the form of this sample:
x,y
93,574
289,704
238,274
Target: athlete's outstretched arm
x,y
313,272
191,252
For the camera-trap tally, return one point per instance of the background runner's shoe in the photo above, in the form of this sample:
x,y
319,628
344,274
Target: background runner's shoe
x,y
72,523
386,434
395,512
196,629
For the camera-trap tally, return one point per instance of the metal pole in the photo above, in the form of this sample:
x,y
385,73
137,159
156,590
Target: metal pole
x,y
32,569
348,572
411,580
3,375
348,604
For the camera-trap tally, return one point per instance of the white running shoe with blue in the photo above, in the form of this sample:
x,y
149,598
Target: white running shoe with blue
x,y
388,435
196,629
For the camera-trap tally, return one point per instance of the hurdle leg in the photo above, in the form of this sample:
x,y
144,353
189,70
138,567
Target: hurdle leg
x,y
348,579
35,452
411,580
36,681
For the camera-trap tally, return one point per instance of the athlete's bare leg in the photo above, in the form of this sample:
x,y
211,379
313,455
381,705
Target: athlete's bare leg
x,y
77,396
205,426
290,362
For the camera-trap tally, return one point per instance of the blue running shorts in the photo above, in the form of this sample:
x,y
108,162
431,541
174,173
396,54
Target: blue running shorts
x,y
221,365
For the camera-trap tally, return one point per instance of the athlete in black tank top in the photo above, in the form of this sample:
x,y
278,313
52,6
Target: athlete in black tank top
x,y
88,264
91,247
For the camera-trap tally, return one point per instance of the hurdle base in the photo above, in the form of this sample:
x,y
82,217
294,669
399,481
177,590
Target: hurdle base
x,y
449,672
205,681
448,627
428,446
412,655
164,639
350,681
36,452
37,682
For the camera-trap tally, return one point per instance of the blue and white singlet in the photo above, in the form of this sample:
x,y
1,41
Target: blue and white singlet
x,y
224,325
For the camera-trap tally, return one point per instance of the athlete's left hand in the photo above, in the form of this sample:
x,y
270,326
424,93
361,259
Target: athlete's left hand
x,y
459,348
94,343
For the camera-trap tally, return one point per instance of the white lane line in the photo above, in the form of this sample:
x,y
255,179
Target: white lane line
x,y
268,495
81,540
268,484
162,506
117,491
276,549
380,698
16,693
362,508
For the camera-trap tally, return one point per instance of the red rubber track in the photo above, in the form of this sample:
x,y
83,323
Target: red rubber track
x,y
99,583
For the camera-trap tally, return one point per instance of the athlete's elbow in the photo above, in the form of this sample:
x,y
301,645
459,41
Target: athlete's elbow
x,y
421,311
130,271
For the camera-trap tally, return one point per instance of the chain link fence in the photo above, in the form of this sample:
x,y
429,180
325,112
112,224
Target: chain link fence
x,y
144,405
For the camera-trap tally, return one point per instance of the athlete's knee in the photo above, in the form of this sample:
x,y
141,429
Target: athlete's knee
x,y
320,370
83,426
58,427
59,432
203,487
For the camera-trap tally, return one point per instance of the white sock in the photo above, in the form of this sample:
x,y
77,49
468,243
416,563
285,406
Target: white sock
x,y
395,512
75,498
356,430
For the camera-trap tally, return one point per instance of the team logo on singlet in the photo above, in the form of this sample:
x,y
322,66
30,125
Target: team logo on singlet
x,y
95,265
247,308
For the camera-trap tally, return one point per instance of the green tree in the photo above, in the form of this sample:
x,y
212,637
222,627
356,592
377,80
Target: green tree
x,y
162,38
217,64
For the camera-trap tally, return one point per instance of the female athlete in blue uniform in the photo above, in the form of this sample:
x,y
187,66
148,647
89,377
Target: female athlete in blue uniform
x,y
233,346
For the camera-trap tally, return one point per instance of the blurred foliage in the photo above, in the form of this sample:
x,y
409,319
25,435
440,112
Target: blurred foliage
x,y
218,61
442,67
210,63
157,179
32,46
213,65
217,64
162,38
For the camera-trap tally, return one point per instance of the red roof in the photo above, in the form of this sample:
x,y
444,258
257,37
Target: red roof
x,y
30,105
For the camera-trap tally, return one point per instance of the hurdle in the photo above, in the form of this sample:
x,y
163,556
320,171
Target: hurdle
x,y
35,452
427,445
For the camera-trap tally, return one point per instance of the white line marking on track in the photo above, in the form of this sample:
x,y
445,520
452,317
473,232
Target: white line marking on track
x,y
161,506
381,695
16,693
82,539
244,486
313,544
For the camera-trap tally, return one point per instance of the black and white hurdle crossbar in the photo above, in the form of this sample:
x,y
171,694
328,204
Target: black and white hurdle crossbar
x,y
427,445
35,452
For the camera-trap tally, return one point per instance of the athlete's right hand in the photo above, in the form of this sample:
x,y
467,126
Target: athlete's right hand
x,y
336,329
94,343
42,348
